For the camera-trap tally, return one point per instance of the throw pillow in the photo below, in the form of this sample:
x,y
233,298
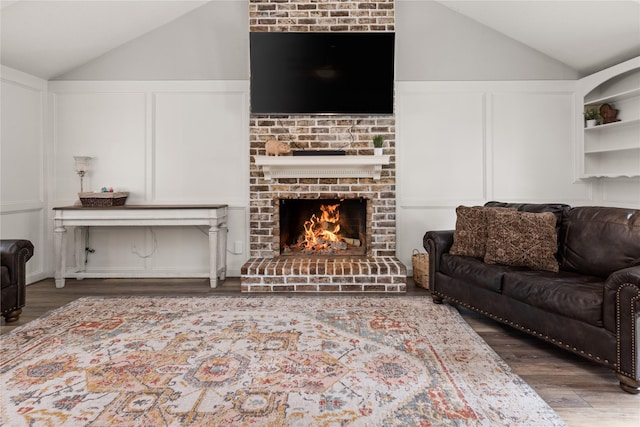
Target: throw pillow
x,y
470,235
522,239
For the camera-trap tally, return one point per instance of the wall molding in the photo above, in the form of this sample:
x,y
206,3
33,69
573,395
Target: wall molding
x,y
9,74
412,96
177,138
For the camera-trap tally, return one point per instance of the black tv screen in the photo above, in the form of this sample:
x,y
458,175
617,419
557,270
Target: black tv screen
x,y
322,73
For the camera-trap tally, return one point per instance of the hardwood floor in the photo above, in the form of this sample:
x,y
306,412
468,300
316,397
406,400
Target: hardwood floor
x,y
582,393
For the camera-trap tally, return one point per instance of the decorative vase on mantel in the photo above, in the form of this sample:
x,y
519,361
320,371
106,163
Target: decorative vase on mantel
x,y
378,141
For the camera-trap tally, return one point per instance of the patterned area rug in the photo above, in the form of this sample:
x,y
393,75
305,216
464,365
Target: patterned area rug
x,y
276,361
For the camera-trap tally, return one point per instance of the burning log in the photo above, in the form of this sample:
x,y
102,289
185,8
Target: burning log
x,y
321,233
330,227
352,242
338,245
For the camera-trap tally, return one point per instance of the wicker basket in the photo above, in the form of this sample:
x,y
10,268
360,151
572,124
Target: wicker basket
x,y
420,263
103,200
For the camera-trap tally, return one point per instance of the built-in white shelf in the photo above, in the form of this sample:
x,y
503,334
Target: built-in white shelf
x,y
620,124
612,150
274,167
627,94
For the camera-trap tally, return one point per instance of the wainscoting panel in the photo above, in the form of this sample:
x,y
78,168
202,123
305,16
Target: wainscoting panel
x,y
110,127
440,147
532,147
622,192
28,224
23,165
201,147
22,148
165,143
464,143
114,248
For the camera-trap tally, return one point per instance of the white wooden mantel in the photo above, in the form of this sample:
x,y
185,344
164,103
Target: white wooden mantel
x,y
321,166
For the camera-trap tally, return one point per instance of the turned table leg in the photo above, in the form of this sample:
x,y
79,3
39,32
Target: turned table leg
x,y
222,251
60,237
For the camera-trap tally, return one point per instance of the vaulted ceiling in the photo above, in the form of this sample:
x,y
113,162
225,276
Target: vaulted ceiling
x,y
47,38
587,36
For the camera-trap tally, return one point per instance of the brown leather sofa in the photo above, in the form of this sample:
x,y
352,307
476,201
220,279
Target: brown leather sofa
x,y
590,307
14,255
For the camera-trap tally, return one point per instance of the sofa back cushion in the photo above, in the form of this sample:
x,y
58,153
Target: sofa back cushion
x,y
555,208
599,240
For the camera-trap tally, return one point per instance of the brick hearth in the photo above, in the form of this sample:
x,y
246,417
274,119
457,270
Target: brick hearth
x,y
321,274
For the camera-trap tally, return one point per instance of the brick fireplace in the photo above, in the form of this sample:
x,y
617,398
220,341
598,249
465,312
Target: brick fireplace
x,y
375,268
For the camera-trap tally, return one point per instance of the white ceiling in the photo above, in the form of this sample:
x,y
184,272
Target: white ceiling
x,y
47,38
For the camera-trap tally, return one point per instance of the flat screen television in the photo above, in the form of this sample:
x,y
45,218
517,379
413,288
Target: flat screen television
x,y
322,73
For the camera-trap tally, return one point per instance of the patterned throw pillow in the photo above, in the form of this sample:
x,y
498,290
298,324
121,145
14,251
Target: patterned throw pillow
x,y
470,235
522,239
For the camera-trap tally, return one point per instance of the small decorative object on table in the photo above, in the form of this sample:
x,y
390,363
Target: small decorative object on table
x,y
103,199
420,263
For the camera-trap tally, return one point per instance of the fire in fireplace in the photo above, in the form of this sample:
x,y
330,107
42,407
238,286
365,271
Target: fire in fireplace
x,y
310,227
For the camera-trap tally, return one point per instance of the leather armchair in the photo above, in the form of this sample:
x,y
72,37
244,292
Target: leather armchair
x,y
14,255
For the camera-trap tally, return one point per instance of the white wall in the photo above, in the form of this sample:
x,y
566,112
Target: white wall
x,y
165,143
482,117
465,143
23,168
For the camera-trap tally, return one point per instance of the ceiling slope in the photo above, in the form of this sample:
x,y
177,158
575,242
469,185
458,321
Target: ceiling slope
x,y
46,38
587,36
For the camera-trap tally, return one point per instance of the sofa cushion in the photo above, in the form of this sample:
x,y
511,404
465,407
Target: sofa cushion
x,y
522,239
475,271
599,241
470,235
568,294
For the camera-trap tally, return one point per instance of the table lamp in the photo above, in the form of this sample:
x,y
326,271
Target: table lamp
x,y
82,167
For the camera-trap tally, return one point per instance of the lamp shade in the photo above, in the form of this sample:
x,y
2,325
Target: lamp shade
x,y
82,163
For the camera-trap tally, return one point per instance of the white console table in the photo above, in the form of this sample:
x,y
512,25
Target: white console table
x,y
213,216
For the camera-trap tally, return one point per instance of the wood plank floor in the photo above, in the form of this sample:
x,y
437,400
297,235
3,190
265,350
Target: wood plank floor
x,y
584,394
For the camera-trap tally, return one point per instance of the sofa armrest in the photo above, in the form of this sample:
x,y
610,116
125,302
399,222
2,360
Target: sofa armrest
x,y
14,254
624,276
621,314
436,243
623,284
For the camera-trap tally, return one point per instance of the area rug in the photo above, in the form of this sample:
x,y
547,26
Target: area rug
x,y
259,361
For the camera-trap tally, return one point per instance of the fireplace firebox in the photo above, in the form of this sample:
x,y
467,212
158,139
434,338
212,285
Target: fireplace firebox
x,y
323,227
